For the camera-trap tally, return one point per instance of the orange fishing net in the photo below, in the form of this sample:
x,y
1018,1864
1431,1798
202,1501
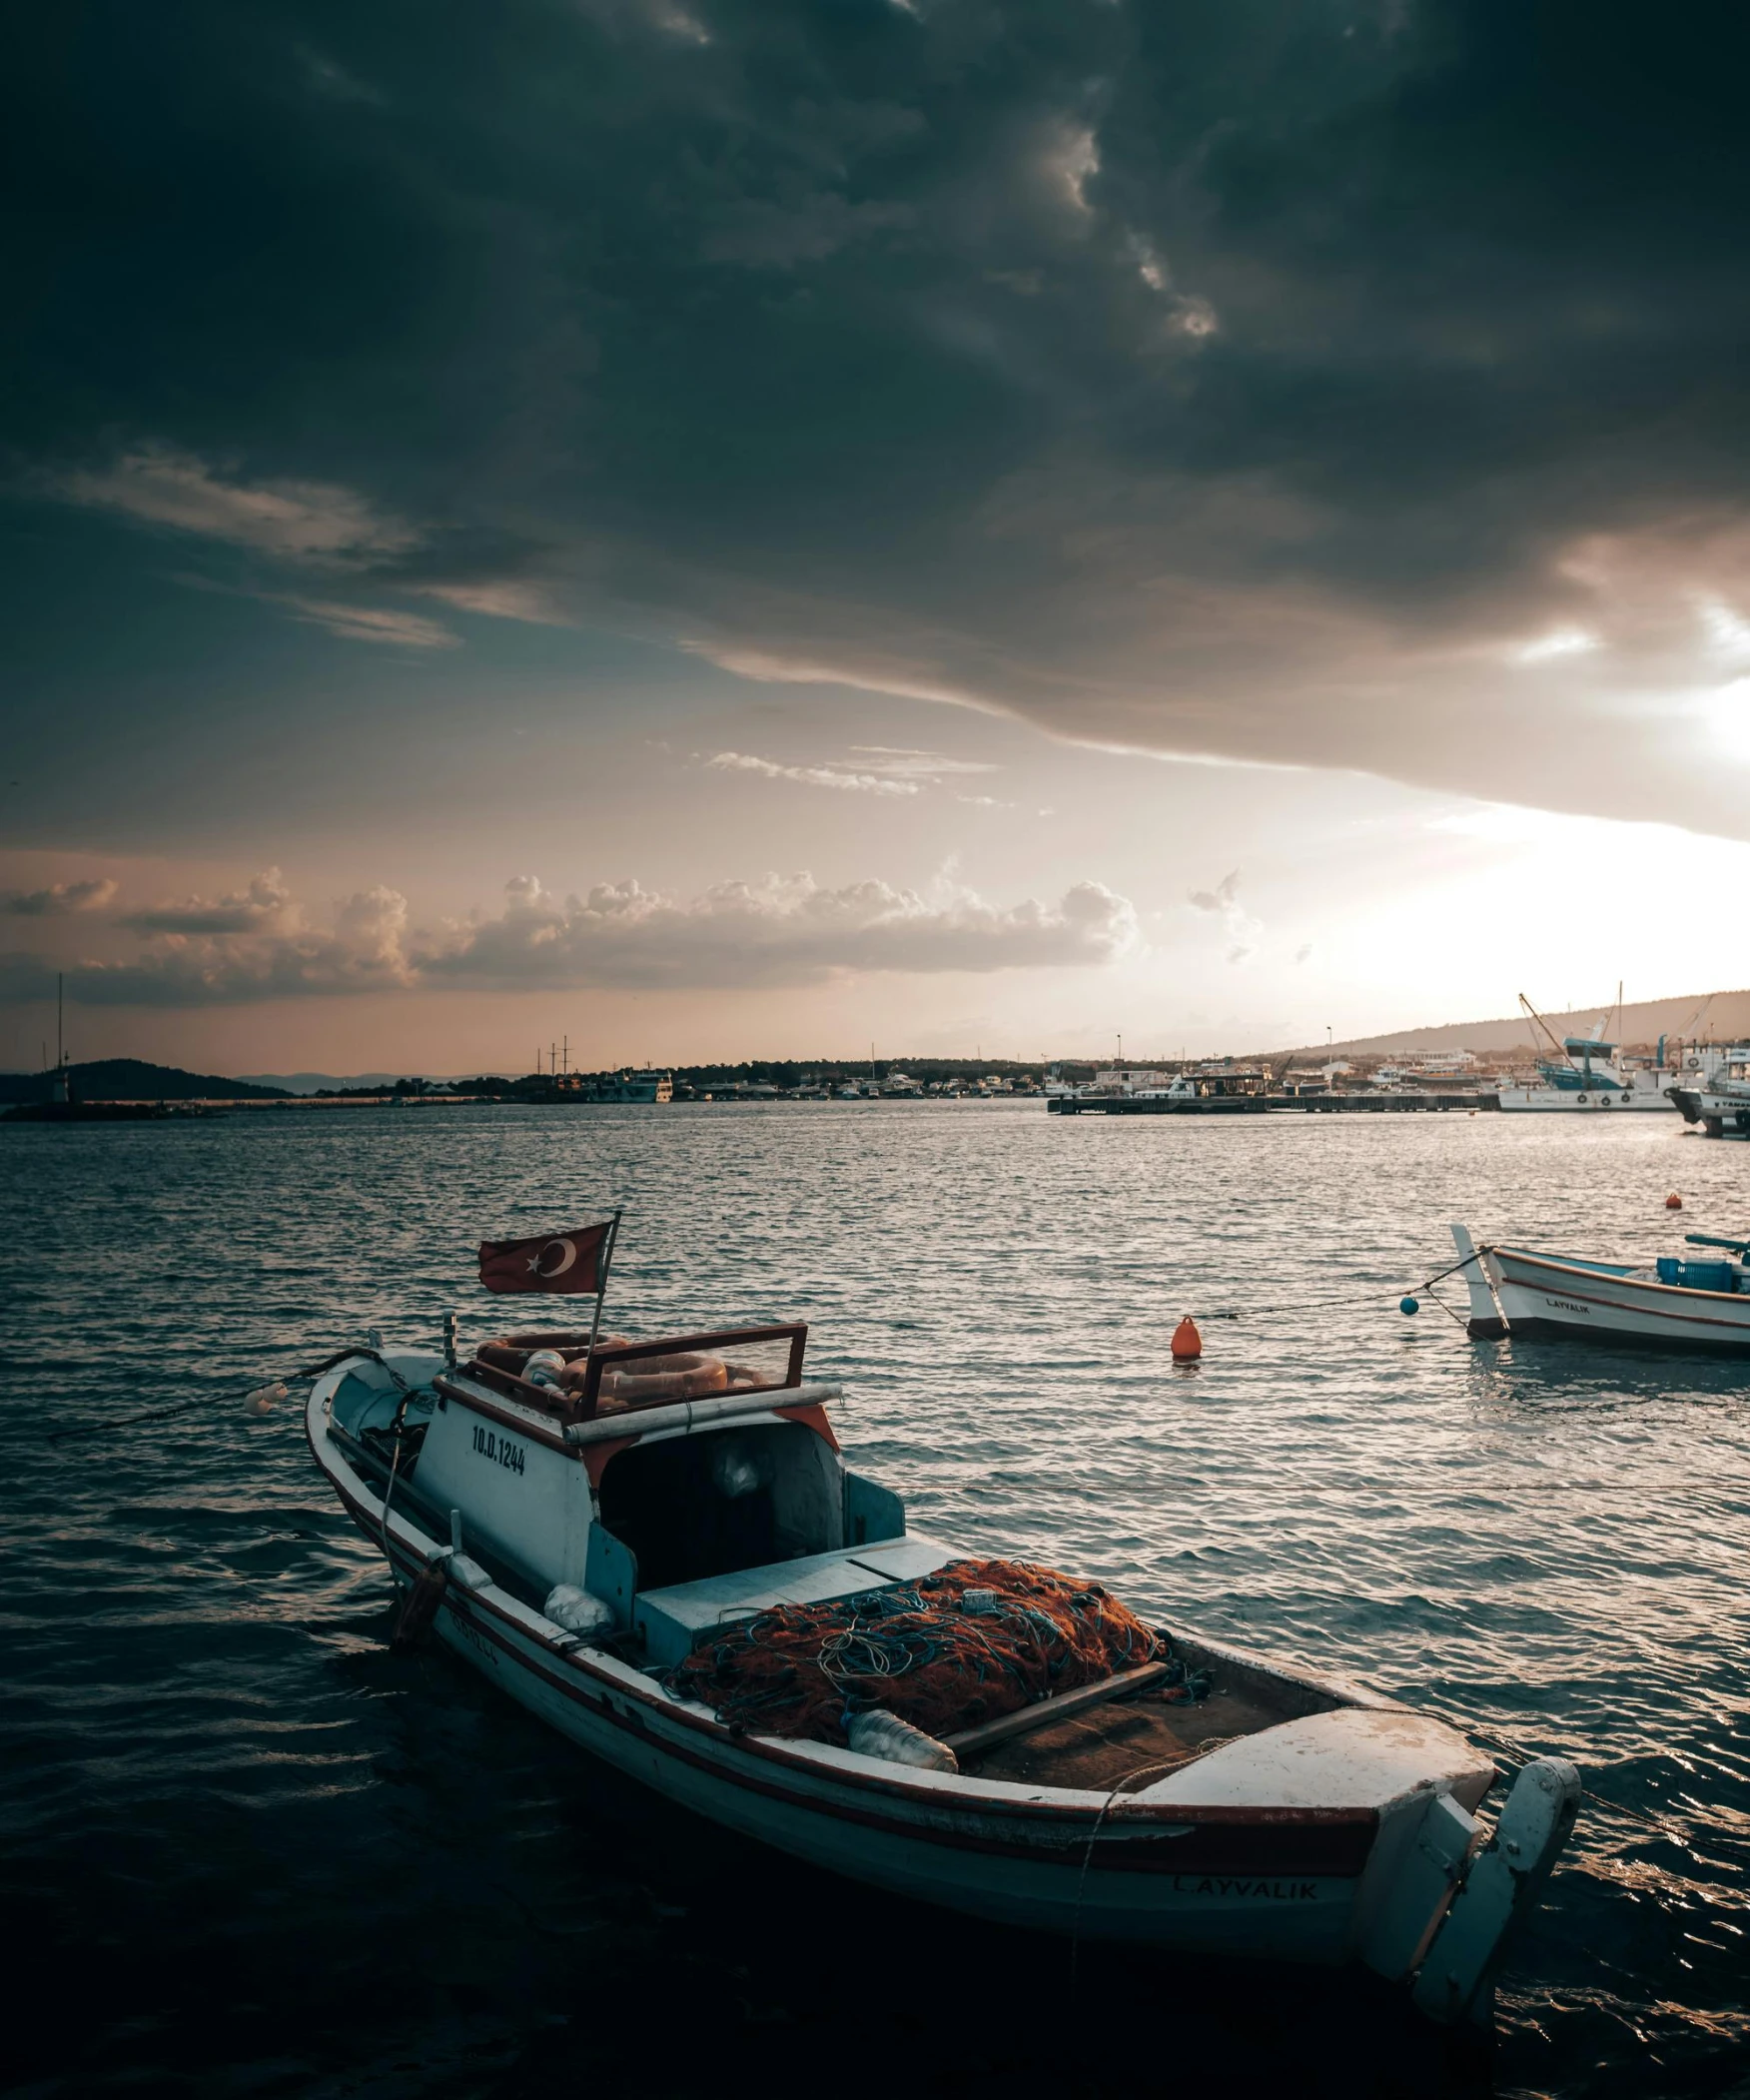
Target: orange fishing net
x,y
919,1649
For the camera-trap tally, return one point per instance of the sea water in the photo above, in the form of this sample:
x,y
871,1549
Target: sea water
x,y
248,1849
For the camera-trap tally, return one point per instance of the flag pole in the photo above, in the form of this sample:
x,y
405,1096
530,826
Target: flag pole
x,y
601,1284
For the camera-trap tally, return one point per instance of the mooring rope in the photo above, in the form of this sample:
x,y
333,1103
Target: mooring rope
x,y
184,1407
1170,1764
121,1422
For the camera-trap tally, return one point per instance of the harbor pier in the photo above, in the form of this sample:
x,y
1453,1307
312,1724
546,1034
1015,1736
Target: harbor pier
x,y
1356,1104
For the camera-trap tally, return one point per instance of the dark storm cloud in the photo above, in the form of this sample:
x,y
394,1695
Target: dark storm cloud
x,y
1354,385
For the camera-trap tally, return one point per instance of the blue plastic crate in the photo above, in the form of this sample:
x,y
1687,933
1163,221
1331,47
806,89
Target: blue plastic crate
x,y
1709,1276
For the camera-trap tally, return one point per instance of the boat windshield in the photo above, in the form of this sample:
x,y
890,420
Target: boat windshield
x,y
560,1374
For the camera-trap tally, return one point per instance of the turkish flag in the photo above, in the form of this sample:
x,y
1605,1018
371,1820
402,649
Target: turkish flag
x,y
565,1261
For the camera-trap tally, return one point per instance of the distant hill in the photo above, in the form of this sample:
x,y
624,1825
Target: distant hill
x,y
1726,1019
131,1079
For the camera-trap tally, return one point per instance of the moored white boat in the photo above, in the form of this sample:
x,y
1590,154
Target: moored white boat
x,y
1121,1083
1669,1303
1716,1092
575,1548
1583,1076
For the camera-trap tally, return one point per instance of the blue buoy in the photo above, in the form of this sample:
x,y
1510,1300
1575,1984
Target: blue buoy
x,y
1408,1305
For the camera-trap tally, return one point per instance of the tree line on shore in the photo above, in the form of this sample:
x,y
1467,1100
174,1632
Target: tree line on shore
x,y
788,1075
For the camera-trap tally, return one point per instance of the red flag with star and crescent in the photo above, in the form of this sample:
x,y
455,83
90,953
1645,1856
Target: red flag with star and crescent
x,y
561,1261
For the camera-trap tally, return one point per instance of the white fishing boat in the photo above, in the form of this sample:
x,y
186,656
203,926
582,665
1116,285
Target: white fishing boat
x,y
1582,1075
1122,1083
1671,1303
1716,1091
599,1538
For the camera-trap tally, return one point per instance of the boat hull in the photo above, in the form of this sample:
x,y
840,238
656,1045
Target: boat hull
x,y
1242,1889
1271,1885
1536,1295
1720,1115
1596,1101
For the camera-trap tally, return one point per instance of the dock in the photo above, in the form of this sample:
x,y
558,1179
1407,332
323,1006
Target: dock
x,y
1274,1104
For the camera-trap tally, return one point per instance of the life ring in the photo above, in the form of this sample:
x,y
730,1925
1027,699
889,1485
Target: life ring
x,y
664,1378
576,1373
510,1353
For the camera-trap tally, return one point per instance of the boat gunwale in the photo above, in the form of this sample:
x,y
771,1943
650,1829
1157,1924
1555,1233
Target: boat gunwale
x,y
1541,1261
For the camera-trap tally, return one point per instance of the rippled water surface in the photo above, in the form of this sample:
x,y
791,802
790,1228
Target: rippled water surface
x,y
249,1850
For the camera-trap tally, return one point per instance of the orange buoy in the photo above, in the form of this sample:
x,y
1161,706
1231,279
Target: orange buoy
x,y
1187,1342
1673,1202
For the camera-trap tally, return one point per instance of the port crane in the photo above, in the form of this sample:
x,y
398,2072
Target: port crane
x,y
1558,1047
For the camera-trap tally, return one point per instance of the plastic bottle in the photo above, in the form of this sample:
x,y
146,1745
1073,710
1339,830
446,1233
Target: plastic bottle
x,y
878,1733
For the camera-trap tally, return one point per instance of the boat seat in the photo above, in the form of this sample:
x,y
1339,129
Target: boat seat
x,y
672,1621
1355,1757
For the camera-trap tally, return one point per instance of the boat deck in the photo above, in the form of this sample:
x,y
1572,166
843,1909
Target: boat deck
x,y
1129,1744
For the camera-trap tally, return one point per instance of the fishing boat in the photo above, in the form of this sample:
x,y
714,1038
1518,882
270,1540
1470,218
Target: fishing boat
x,y
1716,1093
1582,1075
1671,1303
606,1529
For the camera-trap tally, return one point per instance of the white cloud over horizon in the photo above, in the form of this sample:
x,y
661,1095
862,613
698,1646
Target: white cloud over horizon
x,y
782,931
876,769
811,775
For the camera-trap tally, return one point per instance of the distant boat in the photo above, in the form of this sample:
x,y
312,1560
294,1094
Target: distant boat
x,y
1717,1094
1666,1304
1122,1083
1582,1075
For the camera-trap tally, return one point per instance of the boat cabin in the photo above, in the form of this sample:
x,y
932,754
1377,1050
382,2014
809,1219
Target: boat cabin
x,y
685,1482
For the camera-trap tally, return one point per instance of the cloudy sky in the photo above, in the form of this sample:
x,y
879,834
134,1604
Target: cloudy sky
x,y
718,529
